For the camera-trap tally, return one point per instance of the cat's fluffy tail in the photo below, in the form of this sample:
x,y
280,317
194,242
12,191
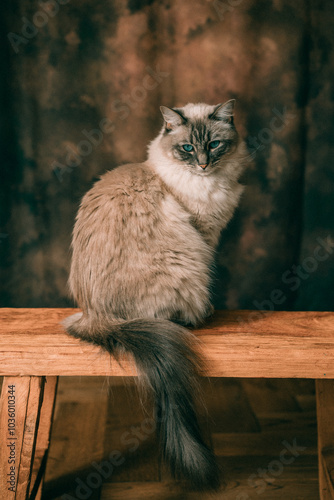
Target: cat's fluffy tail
x,y
166,360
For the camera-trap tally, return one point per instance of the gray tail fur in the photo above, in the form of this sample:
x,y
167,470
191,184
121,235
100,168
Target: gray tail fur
x,y
165,358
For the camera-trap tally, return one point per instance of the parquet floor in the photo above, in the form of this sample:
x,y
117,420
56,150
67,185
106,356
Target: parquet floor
x,y
263,433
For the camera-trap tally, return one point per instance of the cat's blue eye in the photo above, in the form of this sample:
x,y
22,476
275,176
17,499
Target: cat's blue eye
x,y
188,147
214,144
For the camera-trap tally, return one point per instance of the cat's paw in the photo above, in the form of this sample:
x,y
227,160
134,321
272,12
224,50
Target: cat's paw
x,y
70,320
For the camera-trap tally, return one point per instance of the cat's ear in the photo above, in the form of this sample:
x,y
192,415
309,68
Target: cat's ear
x,y
224,112
173,118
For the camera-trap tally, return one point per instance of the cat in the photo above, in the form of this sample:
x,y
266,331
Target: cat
x,y
143,247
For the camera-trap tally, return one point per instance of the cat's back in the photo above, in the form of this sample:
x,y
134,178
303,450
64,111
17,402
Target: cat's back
x,y
131,186
131,177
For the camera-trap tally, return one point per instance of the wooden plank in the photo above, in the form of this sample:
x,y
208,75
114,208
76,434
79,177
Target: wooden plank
x,y
293,481
264,443
327,460
325,418
42,347
301,490
269,395
12,433
234,344
230,409
43,437
78,433
18,439
296,481
13,404
288,420
130,430
304,490
29,437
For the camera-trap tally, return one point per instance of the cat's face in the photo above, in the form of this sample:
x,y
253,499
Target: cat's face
x,y
201,138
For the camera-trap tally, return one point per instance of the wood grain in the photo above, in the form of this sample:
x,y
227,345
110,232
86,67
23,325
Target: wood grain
x,y
325,418
29,437
240,452
327,464
295,483
130,431
234,344
78,434
43,437
13,436
28,393
229,394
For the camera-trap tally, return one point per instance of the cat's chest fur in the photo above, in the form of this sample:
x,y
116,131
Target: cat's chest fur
x,y
210,200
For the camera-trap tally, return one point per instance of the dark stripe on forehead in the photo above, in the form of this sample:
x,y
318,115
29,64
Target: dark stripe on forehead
x,y
199,132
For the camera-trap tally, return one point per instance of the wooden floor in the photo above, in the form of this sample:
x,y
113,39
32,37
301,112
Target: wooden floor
x,y
263,432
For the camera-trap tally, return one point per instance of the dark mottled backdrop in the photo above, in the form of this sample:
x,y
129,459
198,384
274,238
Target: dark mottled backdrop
x,y
81,83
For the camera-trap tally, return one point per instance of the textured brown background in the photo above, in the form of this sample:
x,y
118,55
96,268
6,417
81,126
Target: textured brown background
x,y
93,60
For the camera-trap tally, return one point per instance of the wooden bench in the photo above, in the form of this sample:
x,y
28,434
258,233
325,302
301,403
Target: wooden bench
x,y
35,351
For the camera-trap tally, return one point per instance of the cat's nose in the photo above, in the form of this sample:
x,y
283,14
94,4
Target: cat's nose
x,y
204,166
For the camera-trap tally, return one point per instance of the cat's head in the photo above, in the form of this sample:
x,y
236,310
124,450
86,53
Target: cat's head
x,y
199,137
